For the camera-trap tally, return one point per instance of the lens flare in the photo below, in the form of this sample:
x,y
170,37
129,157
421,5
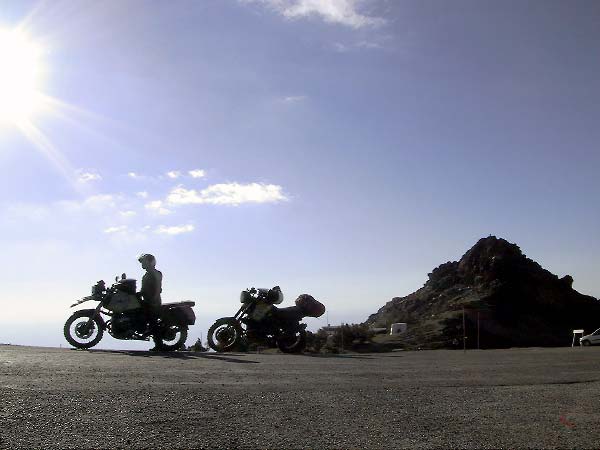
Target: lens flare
x,y
20,77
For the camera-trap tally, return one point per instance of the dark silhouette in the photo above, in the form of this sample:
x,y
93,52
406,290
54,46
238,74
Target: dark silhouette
x,y
503,298
264,323
131,315
150,295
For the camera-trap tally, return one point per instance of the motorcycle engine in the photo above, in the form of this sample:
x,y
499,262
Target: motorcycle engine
x,y
122,326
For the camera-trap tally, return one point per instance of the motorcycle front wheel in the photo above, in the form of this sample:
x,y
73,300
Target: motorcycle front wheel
x,y
292,341
225,335
171,338
80,332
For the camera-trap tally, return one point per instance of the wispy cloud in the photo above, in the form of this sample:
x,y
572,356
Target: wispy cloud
x,y
119,229
26,212
134,175
343,12
173,174
84,176
228,194
197,173
294,98
157,206
127,214
174,230
95,203
378,42
142,194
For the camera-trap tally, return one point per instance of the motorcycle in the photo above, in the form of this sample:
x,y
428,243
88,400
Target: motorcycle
x,y
127,319
259,321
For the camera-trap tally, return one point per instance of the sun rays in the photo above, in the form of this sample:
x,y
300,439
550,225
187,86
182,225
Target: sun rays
x,y
25,103
19,78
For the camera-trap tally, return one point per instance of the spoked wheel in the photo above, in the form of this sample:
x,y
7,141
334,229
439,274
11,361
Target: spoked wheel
x,y
225,335
81,332
171,338
292,341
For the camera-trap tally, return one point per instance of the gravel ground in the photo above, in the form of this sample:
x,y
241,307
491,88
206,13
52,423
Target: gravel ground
x,y
69,399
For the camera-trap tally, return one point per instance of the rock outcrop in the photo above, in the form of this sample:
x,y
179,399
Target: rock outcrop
x,y
508,301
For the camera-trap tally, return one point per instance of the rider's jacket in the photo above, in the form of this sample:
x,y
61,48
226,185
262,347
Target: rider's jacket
x,y
151,288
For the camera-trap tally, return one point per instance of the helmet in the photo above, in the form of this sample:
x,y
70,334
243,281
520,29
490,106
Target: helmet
x,y
148,258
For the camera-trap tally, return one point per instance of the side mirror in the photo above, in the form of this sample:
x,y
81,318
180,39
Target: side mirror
x,y
116,279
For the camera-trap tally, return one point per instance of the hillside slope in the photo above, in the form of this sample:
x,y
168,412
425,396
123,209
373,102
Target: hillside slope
x,y
513,299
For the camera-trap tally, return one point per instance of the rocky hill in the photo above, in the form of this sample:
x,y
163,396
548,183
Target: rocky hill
x,y
509,301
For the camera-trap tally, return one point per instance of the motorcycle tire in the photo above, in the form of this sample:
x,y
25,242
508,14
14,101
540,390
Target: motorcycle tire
x,y
292,345
225,335
80,332
172,339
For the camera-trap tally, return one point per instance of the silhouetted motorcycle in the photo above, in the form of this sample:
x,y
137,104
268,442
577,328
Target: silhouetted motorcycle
x,y
126,318
258,320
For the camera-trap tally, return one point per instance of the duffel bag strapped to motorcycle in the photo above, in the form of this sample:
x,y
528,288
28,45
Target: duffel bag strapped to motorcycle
x,y
310,306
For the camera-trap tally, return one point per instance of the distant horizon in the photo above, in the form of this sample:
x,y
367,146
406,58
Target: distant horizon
x,y
341,149
53,330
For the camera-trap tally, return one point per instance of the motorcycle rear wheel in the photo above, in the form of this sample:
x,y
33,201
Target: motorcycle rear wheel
x,y
292,342
171,338
78,334
225,335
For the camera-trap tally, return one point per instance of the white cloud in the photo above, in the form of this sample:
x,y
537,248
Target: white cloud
x,y
197,173
379,42
85,177
119,229
127,213
228,194
341,48
174,174
343,12
174,230
142,194
133,175
157,206
294,98
95,203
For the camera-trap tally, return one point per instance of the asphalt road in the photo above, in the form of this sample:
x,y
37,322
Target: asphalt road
x,y
61,398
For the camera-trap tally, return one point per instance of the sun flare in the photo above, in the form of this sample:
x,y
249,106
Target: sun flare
x,y
20,77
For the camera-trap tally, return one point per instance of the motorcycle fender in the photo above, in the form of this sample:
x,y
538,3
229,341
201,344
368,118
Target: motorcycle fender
x,y
93,311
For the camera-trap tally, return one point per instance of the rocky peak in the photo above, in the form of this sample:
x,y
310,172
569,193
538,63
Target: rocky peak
x,y
508,297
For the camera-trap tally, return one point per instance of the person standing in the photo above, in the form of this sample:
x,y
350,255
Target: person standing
x,y
150,295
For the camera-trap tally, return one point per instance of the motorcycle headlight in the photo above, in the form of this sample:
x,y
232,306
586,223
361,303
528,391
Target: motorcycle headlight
x,y
245,297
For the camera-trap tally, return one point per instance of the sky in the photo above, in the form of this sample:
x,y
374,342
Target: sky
x,y
341,148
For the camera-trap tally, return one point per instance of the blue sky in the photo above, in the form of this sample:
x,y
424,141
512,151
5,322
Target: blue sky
x,y
335,147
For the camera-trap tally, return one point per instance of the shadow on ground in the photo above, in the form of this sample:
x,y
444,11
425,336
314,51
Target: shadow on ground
x,y
179,355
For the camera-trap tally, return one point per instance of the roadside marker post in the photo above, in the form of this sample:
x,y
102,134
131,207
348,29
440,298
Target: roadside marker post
x,y
575,333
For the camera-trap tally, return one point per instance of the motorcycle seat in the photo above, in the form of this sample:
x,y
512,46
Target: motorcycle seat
x,y
176,304
291,313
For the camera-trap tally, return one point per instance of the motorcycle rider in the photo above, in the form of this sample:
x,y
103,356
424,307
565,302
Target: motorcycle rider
x,y
150,294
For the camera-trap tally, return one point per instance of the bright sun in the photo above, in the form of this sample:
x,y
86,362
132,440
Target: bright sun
x,y
20,73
